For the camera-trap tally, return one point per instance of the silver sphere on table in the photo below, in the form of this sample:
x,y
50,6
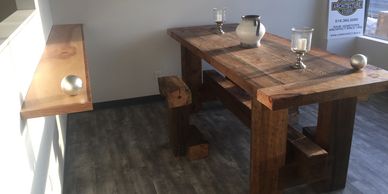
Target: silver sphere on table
x,y
358,61
71,85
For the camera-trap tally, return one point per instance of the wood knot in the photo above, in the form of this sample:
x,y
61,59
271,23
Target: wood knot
x,y
65,52
374,75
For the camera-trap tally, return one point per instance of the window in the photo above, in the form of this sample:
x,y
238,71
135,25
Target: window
x,y
377,19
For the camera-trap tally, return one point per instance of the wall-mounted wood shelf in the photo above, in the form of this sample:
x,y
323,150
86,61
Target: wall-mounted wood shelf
x,y
64,55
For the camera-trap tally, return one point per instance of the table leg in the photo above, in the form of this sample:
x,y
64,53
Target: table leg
x,y
268,148
192,74
334,134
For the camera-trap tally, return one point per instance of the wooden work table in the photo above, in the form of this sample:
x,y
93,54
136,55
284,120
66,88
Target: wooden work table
x,y
266,88
64,55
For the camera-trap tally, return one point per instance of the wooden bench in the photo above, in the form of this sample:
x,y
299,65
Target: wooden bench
x,y
184,138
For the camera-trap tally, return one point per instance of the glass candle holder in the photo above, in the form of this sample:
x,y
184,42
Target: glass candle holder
x,y
219,19
300,44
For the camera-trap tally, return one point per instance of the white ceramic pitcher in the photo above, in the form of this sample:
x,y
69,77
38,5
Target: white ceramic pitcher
x,y
250,31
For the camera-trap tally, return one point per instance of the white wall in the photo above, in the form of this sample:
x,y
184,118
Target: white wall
x,y
376,50
32,151
280,16
25,4
126,40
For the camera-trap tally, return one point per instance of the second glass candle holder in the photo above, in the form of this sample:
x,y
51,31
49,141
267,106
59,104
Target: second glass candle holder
x,y
300,44
219,16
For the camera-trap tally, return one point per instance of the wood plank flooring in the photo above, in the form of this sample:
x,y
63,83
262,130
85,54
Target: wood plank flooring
x,y
125,150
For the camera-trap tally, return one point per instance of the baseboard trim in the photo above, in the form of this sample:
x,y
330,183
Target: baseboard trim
x,y
127,102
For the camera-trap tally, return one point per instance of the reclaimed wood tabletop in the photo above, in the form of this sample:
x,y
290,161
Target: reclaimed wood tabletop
x,y
265,72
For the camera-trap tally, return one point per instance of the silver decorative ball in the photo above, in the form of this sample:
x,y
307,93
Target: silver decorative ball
x,y
358,61
71,85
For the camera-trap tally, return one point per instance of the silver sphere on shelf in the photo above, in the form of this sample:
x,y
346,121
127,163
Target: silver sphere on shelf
x,y
358,61
71,85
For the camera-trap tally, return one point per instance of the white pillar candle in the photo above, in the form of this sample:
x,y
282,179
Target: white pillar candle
x,y
219,16
301,44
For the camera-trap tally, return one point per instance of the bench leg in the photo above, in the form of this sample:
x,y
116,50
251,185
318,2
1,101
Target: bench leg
x,y
179,129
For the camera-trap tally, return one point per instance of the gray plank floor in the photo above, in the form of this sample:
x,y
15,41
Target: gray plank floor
x,y
125,150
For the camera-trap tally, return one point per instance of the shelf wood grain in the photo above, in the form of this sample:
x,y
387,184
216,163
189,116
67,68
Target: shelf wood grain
x,y
64,55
